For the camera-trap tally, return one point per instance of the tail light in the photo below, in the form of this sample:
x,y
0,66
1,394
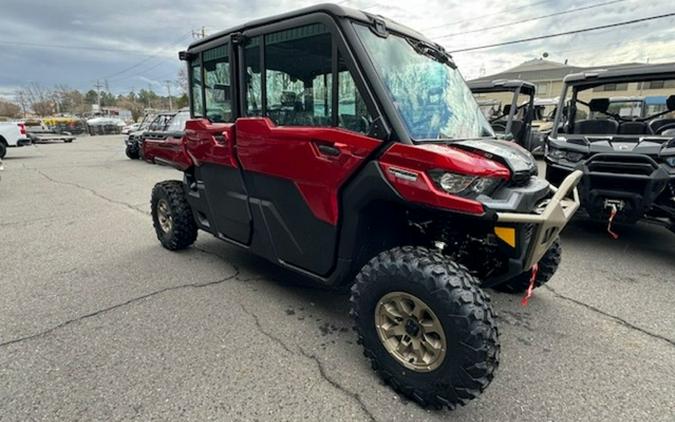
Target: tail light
x,y
22,128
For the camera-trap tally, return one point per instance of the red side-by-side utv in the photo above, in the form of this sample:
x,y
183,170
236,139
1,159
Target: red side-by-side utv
x,y
347,148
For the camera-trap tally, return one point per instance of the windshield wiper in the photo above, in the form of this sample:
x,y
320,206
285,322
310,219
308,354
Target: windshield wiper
x,y
432,51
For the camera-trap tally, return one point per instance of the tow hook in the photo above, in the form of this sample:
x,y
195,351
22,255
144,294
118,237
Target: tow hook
x,y
530,287
614,207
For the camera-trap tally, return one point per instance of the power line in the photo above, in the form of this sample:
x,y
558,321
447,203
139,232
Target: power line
x,y
560,34
187,34
141,72
513,9
502,25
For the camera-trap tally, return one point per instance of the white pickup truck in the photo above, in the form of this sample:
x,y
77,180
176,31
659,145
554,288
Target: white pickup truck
x,y
12,134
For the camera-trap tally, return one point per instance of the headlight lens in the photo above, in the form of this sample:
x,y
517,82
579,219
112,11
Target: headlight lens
x,y
670,161
464,185
571,156
557,154
574,156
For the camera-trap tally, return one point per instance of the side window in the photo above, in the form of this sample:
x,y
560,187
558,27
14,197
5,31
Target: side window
x,y
217,84
298,65
196,86
177,122
253,77
352,111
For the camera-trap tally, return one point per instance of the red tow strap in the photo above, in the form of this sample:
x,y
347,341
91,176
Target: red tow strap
x,y
612,216
530,287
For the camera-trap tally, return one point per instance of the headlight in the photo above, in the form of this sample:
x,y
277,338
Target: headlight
x,y
557,154
670,161
571,156
574,156
462,184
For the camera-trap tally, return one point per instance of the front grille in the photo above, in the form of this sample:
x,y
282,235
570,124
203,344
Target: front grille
x,y
618,164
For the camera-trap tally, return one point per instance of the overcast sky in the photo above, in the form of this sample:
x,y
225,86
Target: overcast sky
x,y
133,44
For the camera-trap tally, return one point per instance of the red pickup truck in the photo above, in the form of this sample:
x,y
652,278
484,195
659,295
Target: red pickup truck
x,y
164,146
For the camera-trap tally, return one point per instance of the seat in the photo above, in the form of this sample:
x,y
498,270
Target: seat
x,y
596,127
633,128
657,124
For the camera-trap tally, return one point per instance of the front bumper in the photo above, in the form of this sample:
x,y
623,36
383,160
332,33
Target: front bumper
x,y
131,142
547,223
634,181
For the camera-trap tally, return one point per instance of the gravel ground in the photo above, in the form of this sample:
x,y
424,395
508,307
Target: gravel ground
x,y
97,321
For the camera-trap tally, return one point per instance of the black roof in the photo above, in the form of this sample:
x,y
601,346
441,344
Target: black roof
x,y
501,85
595,77
328,8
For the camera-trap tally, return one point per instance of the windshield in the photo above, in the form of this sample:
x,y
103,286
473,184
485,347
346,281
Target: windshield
x,y
431,96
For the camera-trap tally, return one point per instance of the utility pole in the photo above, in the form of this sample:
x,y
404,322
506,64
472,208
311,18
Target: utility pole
x,y
199,33
98,87
168,87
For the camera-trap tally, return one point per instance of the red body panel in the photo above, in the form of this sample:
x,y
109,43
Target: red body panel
x,y
210,142
417,160
167,149
294,153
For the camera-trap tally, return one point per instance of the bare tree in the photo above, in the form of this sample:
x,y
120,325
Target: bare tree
x,y
182,79
9,109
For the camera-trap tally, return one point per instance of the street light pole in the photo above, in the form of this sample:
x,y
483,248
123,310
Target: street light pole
x,y
168,87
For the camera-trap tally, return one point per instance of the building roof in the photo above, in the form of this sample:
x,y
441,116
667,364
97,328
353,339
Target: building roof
x,y
538,70
628,73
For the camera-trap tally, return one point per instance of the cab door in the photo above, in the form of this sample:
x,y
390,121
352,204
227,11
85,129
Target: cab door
x,y
302,137
219,196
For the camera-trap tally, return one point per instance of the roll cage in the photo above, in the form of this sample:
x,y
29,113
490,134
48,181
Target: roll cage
x,y
386,123
513,109
580,82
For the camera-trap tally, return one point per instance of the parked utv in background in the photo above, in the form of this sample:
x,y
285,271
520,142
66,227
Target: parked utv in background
x,y
628,158
151,122
513,120
544,114
347,148
166,145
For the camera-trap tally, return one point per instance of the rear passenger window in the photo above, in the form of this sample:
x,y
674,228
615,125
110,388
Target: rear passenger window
x,y
297,64
196,87
253,76
217,85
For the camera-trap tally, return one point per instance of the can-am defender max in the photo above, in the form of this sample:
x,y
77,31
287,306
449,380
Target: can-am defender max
x,y
628,158
514,120
347,148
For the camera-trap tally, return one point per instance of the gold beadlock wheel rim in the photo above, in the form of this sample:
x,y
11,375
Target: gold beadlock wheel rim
x,y
410,331
164,216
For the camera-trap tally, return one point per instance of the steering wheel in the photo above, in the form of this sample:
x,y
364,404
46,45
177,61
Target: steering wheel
x,y
498,126
669,126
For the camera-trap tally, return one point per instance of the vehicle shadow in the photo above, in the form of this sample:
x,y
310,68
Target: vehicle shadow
x,y
252,268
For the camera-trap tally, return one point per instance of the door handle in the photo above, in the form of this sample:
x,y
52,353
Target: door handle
x,y
329,149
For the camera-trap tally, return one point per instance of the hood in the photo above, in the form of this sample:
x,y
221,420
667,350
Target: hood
x,y
649,146
516,158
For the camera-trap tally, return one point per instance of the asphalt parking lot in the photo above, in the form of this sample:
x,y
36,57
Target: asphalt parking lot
x,y
97,321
